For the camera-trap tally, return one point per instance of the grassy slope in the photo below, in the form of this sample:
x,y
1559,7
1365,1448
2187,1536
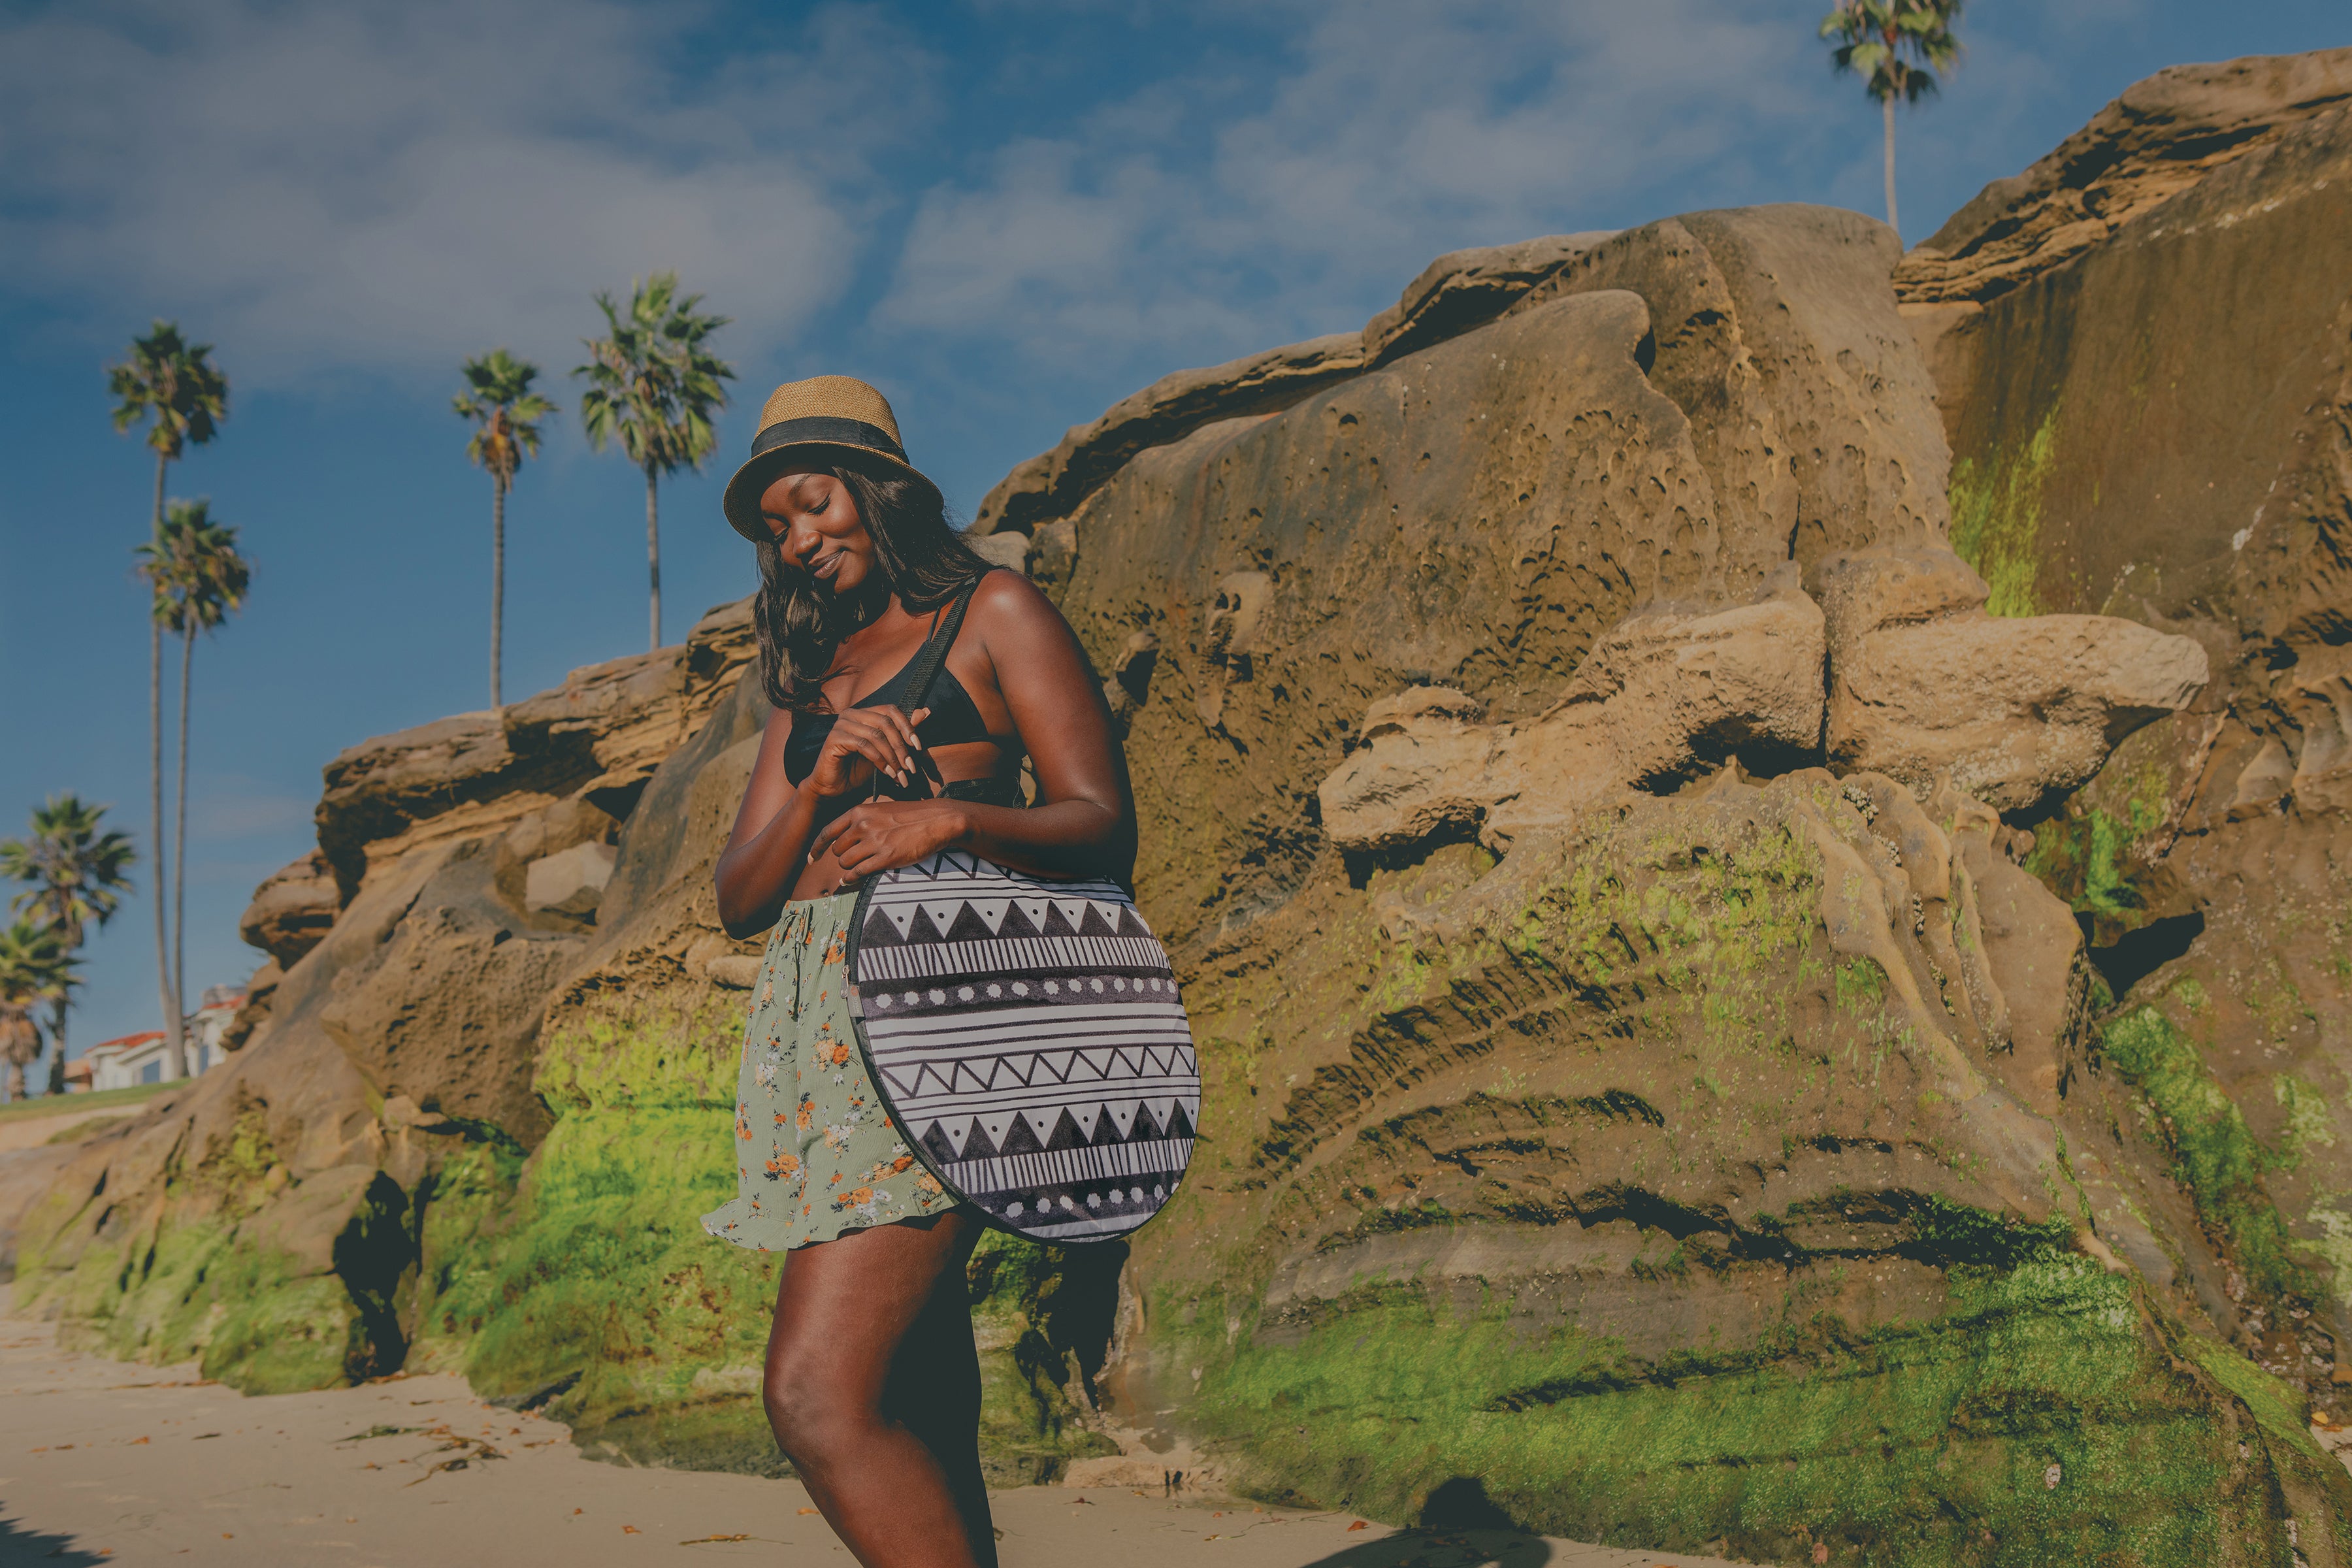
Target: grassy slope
x,y
43,1105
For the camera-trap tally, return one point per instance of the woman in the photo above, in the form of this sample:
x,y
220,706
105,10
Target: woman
x,y
872,1384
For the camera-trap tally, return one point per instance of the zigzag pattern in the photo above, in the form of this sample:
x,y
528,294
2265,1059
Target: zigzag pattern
x,y
990,1075
1032,1031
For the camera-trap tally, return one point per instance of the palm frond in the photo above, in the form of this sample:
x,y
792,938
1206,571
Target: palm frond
x,y
193,569
173,381
74,873
1898,46
653,383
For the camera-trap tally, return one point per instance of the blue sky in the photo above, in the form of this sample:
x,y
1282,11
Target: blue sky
x,y
1005,213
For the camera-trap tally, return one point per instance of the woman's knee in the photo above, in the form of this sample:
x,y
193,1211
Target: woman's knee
x,y
810,1411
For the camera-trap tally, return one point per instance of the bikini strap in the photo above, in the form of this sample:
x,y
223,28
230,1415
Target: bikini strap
x,y
923,672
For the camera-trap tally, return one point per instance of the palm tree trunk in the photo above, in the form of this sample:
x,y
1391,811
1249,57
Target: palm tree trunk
x,y
1892,222
155,799
156,757
653,552
180,871
58,1045
498,578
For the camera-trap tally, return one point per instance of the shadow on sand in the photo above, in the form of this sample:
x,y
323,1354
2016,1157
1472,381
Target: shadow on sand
x,y
20,1545
1460,1527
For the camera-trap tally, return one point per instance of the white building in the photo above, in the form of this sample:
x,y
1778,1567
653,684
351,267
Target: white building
x,y
121,1064
138,1059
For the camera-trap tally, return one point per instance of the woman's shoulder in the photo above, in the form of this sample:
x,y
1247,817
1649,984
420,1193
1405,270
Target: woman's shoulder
x,y
1007,600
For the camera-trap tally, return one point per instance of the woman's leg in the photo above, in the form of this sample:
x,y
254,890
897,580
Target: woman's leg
x,y
873,1388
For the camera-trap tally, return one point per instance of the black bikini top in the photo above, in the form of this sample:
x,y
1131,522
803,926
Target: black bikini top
x,y
954,720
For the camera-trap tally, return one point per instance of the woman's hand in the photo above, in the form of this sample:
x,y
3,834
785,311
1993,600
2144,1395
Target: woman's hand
x,y
883,835
866,740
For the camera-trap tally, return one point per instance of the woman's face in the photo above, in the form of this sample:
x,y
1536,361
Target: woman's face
x,y
815,521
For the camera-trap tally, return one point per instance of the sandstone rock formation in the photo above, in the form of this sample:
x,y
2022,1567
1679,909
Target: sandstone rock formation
x,y
2140,347
2017,710
1585,765
268,1215
1659,697
1454,293
2158,141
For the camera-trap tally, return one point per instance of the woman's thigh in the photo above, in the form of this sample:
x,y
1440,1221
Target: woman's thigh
x,y
846,1308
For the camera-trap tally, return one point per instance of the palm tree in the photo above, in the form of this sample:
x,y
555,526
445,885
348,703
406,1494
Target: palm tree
x,y
1896,46
34,967
198,579
173,382
653,386
78,877
506,414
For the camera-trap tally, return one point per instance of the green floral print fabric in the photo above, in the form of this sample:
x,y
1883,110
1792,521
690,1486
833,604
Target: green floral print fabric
x,y
817,1153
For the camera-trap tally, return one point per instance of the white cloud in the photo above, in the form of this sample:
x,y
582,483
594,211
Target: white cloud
x,y
382,186
1385,132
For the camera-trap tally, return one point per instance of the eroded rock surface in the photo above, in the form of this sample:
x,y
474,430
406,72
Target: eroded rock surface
x,y
2159,140
1661,697
2140,347
2018,710
266,1216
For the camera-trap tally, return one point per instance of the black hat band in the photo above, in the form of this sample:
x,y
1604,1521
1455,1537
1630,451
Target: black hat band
x,y
827,428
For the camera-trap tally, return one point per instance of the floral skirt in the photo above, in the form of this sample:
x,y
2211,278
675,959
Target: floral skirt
x,y
817,1153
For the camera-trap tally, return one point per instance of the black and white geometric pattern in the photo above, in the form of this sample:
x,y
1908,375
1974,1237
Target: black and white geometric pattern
x,y
1029,1034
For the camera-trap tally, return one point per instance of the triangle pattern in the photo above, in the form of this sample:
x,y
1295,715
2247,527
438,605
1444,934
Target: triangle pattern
x,y
969,925
1064,1123
977,1144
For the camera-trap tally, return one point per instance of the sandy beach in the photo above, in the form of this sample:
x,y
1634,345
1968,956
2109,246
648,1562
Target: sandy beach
x,y
106,1461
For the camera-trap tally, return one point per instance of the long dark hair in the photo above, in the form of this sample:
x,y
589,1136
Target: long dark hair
x,y
924,562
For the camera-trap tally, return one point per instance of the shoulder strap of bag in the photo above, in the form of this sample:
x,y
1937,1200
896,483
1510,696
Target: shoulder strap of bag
x,y
924,672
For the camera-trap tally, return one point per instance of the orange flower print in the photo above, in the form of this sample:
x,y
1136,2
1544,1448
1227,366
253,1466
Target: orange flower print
x,y
805,1115
900,1164
840,1055
743,1122
781,1119
927,1183
838,948
783,1165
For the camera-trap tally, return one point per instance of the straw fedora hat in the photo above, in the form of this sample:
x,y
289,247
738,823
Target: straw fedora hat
x,y
822,419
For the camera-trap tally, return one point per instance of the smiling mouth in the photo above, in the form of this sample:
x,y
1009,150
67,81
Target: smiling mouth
x,y
823,570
